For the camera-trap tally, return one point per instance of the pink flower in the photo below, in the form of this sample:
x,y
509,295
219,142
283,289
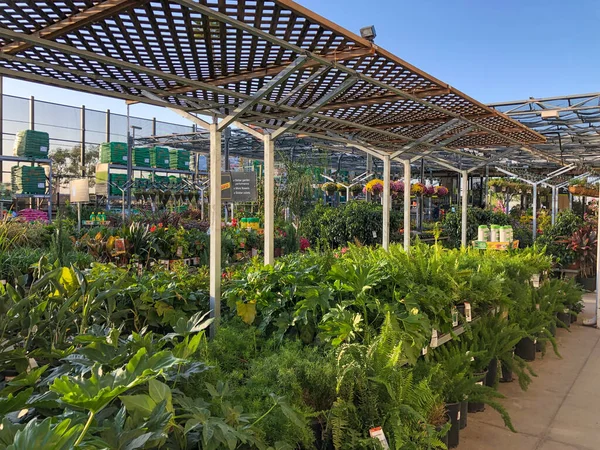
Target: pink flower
x,y
304,244
344,250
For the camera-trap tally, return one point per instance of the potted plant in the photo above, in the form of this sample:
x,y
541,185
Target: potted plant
x,y
374,187
441,191
329,187
417,188
397,187
356,189
583,243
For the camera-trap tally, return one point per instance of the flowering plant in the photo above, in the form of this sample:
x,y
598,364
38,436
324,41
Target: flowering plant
x,y
356,189
428,190
441,191
374,186
304,244
397,187
417,188
329,187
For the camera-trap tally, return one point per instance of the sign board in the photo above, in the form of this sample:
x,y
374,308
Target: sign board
x,y
238,187
79,191
202,163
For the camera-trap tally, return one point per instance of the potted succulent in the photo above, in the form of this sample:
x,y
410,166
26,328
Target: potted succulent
x,y
583,243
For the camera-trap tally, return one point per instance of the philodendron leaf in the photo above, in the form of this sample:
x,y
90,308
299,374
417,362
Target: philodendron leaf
x,y
138,404
25,379
17,402
247,311
99,390
45,435
159,392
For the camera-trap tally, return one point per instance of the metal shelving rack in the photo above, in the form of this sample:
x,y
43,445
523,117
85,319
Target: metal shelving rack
x,y
152,170
45,161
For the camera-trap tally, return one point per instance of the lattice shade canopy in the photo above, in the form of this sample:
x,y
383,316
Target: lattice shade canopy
x,y
270,64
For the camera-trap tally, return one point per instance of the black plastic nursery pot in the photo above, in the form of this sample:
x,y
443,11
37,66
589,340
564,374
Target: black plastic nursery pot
x,y
492,373
475,407
453,410
444,438
565,318
507,375
589,284
526,349
540,346
464,411
552,329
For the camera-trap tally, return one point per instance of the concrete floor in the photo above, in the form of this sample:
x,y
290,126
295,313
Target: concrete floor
x,y
561,408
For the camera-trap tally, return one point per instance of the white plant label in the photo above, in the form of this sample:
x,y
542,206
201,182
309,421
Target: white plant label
x,y
44,149
434,339
166,161
424,351
468,312
374,234
377,433
480,383
454,317
458,415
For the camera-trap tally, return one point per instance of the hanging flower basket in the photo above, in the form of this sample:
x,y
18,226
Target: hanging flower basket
x,y
417,189
329,188
397,187
374,187
428,191
441,191
356,189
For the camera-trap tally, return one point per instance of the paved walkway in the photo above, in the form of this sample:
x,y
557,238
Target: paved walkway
x,y
561,408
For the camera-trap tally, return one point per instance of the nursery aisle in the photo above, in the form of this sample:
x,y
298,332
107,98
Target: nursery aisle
x,y
560,409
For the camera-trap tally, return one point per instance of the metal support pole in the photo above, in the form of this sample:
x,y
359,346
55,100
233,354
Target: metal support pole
x,y
420,204
78,217
534,211
108,125
487,180
465,203
570,201
369,169
227,139
82,152
154,126
269,181
215,227
129,160
407,206
32,113
387,202
554,203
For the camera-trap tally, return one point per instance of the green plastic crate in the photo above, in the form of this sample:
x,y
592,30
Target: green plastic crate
x,y
32,144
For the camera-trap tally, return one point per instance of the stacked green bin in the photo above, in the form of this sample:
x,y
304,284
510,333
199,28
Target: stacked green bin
x,y
113,153
159,158
141,156
32,144
28,180
179,159
119,179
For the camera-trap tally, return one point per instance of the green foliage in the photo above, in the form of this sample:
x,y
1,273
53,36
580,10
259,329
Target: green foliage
x,y
475,217
556,237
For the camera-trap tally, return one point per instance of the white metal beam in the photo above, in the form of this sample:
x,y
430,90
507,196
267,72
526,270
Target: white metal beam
x,y
464,178
269,186
215,226
263,92
427,137
407,179
347,84
387,204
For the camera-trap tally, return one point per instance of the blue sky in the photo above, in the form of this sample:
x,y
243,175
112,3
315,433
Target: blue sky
x,y
491,50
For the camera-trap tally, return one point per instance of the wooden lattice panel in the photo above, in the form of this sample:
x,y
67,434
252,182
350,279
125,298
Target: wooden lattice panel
x,y
211,65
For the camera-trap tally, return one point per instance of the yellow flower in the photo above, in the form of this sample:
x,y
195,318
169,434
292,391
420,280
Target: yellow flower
x,y
414,311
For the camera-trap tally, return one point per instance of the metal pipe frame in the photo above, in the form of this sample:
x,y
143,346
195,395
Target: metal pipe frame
x,y
387,202
82,152
465,203
427,137
269,180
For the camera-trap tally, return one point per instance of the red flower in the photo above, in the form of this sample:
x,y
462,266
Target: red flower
x,y
152,228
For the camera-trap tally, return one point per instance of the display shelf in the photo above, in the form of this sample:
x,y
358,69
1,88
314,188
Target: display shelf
x,y
94,223
150,169
31,195
25,159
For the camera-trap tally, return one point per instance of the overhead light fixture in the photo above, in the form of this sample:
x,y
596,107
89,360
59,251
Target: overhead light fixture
x,y
550,114
368,33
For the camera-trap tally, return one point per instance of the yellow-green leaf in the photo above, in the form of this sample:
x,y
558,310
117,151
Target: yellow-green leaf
x,y
247,311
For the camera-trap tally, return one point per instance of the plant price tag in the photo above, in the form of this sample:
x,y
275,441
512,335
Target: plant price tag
x,y
454,317
434,339
468,312
424,351
374,234
179,251
377,433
